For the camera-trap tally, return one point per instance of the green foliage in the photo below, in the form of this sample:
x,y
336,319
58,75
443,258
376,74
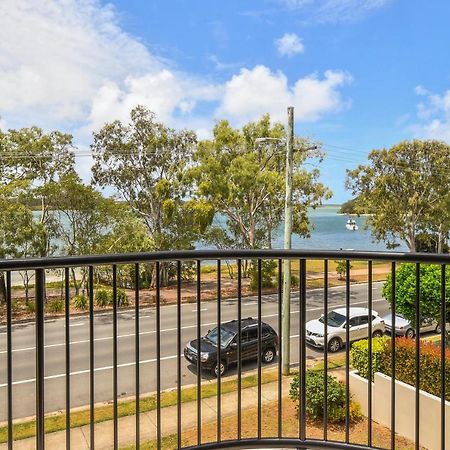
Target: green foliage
x,y
103,297
30,307
336,400
80,302
429,365
350,207
359,355
244,181
268,271
55,306
341,269
295,281
405,190
430,290
122,299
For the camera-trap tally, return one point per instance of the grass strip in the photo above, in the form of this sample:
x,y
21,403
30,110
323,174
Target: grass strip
x,y
57,422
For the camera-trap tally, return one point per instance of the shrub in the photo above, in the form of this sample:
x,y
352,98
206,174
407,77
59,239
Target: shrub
x,y
429,365
55,306
30,307
430,290
268,270
359,355
336,400
295,281
80,302
103,297
122,299
341,269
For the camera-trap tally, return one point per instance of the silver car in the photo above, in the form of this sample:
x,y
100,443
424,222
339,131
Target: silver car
x,y
403,327
337,326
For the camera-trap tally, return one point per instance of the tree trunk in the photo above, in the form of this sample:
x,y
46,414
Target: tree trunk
x,y
74,279
440,248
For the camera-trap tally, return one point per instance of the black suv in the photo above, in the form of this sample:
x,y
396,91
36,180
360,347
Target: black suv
x,y
229,343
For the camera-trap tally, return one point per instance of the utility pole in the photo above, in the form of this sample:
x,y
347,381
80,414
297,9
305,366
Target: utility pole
x,y
286,301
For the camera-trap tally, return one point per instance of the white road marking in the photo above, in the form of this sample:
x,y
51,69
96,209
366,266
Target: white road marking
x,y
186,327
80,372
201,309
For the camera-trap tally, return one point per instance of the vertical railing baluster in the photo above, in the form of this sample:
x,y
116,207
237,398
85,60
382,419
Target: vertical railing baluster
x,y
158,355
179,354
67,350
9,359
199,367
259,347
280,326
418,321
91,360
347,351
219,355
115,391
239,351
443,359
40,361
302,337
325,349
393,356
369,384
137,356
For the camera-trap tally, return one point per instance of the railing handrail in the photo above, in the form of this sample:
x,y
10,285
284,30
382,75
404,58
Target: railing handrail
x,y
220,254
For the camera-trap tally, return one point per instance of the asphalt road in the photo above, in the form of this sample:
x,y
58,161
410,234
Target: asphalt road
x,y
23,340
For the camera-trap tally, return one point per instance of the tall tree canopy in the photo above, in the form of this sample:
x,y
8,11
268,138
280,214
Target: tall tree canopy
x,y
406,189
244,180
146,162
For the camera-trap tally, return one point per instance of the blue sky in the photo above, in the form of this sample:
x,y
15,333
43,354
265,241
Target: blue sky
x,y
362,74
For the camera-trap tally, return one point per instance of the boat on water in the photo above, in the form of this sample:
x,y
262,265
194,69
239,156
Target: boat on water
x,y
351,225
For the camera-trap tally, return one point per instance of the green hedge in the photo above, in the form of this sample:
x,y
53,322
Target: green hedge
x,y
430,365
336,401
359,356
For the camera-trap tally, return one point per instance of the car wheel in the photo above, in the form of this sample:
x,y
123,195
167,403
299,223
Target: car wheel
x,y
334,345
377,334
268,355
215,369
438,329
410,333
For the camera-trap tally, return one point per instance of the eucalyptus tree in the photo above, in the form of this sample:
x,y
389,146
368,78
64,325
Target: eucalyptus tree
x,y
244,182
145,162
406,190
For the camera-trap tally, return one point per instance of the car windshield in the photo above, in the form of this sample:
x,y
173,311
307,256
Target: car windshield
x,y
334,319
225,336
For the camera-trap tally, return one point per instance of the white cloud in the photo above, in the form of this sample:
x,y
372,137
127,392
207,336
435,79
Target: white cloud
x,y
165,92
258,91
335,10
433,114
3,126
67,64
55,54
289,44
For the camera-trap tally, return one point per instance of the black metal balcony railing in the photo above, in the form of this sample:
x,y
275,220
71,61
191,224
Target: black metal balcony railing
x,y
259,440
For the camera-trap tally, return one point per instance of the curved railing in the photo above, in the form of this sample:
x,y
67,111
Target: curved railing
x,y
44,382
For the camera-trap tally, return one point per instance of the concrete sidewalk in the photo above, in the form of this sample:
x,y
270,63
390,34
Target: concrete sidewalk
x,y
104,431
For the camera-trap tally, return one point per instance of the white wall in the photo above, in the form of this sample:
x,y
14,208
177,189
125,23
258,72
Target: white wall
x,y
405,403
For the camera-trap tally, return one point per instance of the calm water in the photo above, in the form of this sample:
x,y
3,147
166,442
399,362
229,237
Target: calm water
x,y
328,232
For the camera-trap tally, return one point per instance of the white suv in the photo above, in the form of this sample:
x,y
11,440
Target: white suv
x,y
337,326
